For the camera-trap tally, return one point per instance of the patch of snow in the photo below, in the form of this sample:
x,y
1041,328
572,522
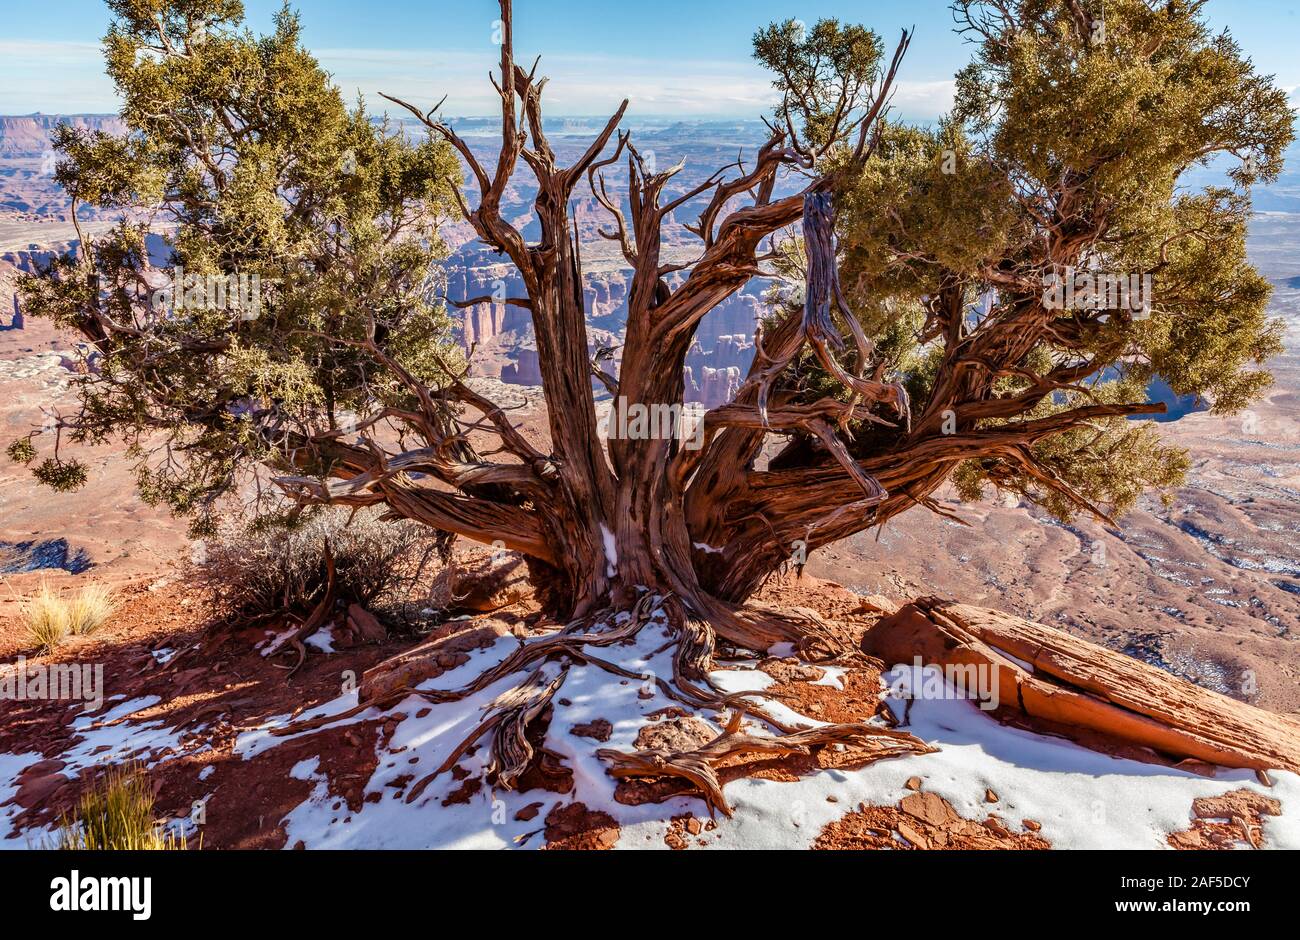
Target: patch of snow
x,y
1081,798
833,677
118,711
266,646
305,769
740,680
100,739
11,765
322,639
103,742
1026,666
707,548
611,551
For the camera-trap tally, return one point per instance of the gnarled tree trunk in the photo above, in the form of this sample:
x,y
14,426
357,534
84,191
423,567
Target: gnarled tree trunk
x,y
707,525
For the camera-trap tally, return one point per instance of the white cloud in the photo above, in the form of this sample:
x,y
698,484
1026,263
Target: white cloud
x,y
924,100
69,76
54,77
586,84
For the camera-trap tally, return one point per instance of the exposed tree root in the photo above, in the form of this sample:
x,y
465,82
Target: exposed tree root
x,y
569,640
510,714
315,620
697,766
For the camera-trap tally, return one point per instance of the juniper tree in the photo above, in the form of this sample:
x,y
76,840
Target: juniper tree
x,y
924,342
268,288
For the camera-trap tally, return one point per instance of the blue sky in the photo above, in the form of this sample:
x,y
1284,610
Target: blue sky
x,y
688,58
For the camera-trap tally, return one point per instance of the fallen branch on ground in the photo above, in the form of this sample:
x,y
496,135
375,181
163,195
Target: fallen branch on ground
x,y
699,766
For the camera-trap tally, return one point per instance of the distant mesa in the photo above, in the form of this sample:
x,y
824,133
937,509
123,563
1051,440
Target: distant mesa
x,y
16,321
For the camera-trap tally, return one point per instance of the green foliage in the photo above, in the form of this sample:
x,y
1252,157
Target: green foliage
x,y
21,451
1067,149
63,476
926,207
313,230
821,72
1108,462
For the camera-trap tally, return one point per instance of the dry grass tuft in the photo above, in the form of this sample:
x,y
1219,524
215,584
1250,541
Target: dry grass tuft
x,y
252,572
50,618
117,815
90,608
45,616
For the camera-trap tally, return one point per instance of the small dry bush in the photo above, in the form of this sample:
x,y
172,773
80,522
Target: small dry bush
x,y
89,609
49,617
252,571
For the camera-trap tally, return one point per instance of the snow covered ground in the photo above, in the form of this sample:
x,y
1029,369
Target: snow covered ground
x,y
1081,798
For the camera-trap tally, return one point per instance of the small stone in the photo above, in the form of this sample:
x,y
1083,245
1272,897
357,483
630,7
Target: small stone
x,y
832,798
43,767
912,836
929,808
994,825
913,783
1032,825
599,730
990,796
528,812
365,625
36,790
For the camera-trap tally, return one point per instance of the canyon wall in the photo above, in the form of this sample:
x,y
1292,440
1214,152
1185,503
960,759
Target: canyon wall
x,y
503,344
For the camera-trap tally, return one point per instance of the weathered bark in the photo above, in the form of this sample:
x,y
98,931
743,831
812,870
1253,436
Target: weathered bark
x,y
613,523
1074,685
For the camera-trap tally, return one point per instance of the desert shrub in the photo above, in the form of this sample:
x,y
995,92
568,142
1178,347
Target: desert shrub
x,y
45,618
117,814
262,570
49,617
89,609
